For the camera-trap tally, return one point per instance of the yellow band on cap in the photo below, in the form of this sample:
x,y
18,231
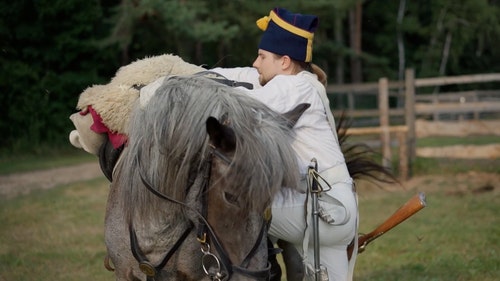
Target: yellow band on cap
x,y
295,30
287,26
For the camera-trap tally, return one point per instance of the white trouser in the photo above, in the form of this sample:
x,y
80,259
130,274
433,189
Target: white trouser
x,y
289,222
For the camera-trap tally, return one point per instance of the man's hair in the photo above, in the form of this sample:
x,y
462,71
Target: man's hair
x,y
320,73
309,66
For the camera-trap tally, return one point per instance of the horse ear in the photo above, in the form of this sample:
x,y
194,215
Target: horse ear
x,y
221,136
293,115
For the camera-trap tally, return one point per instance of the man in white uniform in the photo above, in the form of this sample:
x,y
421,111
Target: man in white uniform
x,y
282,79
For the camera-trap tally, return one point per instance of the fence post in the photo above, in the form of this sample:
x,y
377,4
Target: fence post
x,y
410,114
385,135
350,101
403,155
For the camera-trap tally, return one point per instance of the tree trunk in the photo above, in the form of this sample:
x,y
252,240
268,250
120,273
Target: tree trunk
x,y
444,62
446,54
401,46
339,64
427,61
355,37
401,49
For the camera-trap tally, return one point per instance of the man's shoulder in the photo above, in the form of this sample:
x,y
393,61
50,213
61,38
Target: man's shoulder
x,y
294,78
301,80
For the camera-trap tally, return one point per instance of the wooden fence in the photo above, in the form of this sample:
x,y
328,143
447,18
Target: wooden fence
x,y
415,105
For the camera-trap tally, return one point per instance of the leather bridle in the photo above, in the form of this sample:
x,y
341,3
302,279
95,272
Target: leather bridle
x,y
217,267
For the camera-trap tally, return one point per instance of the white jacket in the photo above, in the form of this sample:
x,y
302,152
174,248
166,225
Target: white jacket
x,y
314,136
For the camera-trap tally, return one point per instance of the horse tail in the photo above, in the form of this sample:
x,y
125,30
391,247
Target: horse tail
x,y
360,158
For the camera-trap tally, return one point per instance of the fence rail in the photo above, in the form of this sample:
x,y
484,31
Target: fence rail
x,y
475,102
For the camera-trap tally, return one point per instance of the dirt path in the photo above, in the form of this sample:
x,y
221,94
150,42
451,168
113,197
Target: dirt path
x,y
22,183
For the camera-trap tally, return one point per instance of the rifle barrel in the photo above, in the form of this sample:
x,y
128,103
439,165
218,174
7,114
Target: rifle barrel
x,y
412,206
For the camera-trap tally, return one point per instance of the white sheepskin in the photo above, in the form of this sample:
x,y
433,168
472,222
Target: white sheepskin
x,y
114,101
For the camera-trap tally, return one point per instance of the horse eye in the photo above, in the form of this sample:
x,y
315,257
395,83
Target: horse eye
x,y
231,199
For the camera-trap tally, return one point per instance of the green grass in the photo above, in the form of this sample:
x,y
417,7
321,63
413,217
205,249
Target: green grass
x,y
445,141
426,166
453,238
57,234
51,158
430,166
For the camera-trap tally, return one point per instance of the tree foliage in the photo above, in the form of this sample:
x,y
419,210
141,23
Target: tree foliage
x,y
48,56
52,50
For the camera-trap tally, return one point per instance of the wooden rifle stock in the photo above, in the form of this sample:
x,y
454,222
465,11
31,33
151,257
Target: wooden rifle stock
x,y
413,205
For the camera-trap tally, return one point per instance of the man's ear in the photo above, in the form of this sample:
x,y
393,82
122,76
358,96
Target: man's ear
x,y
286,62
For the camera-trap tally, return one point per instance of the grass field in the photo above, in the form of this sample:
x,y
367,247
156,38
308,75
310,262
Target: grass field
x,y
58,235
456,237
55,234
50,158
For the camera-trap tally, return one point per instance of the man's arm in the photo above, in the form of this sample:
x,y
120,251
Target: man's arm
x,y
240,74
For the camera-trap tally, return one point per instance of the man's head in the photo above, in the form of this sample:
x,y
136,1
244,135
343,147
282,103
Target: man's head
x,y
270,64
287,40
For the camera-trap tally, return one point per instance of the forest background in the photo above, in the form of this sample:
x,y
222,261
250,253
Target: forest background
x,y
51,50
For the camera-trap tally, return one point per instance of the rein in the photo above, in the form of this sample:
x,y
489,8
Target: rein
x,y
206,236
217,77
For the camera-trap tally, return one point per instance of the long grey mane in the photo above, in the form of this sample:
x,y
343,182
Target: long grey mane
x,y
168,144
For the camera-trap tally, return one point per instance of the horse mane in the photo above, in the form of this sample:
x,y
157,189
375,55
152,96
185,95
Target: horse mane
x,y
168,145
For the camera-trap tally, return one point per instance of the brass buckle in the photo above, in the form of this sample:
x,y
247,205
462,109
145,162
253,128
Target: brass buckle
x,y
147,268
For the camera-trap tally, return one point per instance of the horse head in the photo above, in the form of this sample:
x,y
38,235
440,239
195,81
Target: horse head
x,y
190,193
